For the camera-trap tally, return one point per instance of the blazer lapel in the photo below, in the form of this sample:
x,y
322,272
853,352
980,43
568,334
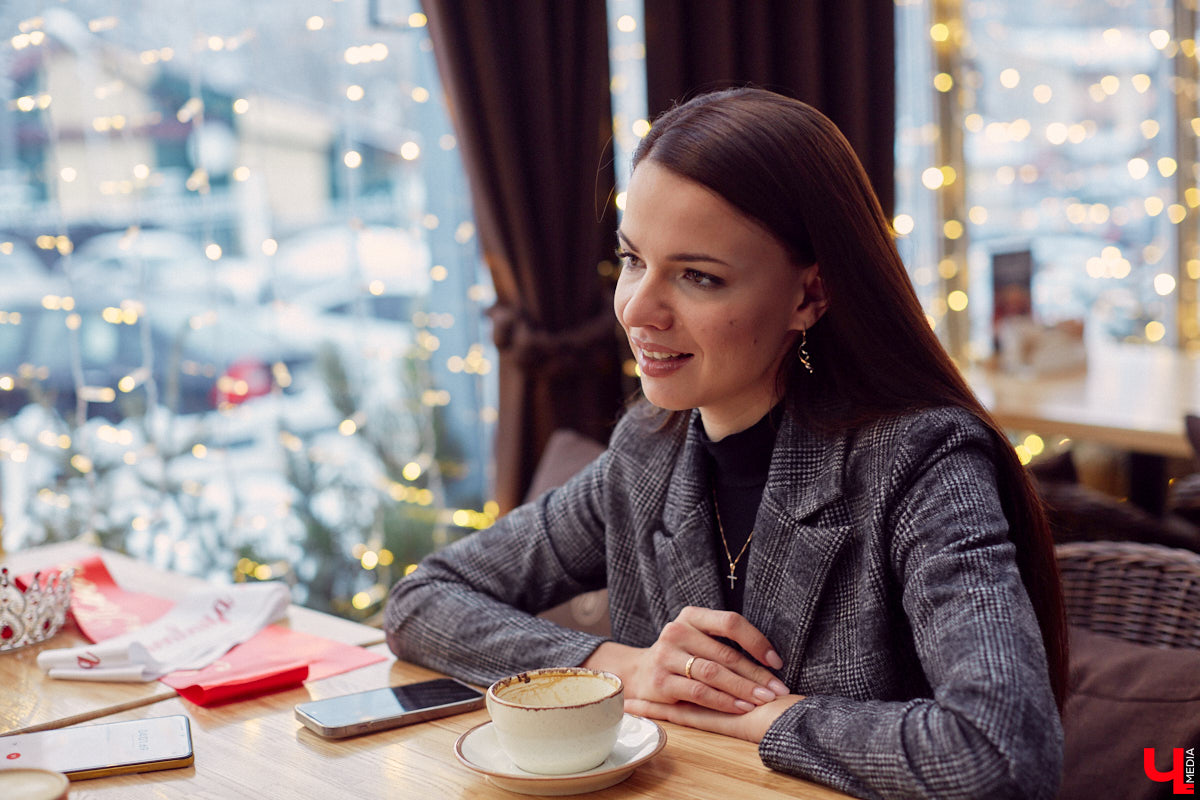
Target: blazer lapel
x,y
686,549
792,555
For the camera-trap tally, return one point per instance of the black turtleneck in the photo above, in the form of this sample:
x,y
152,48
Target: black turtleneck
x,y
737,468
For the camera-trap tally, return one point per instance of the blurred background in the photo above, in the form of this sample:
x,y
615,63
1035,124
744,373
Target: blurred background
x,y
247,323
1063,129
242,322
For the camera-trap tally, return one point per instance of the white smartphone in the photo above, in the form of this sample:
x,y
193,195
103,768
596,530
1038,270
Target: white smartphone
x,y
380,709
107,748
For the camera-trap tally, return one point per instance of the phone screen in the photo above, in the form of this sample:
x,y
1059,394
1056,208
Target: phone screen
x,y
107,748
377,704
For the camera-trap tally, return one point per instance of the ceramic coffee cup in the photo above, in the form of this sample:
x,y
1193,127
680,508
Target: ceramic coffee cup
x,y
559,720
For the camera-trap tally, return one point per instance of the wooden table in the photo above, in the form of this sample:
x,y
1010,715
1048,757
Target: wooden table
x,y
1130,397
30,701
257,748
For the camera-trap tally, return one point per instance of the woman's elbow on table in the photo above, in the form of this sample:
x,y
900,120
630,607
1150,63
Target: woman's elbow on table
x,y
914,749
1027,766
399,617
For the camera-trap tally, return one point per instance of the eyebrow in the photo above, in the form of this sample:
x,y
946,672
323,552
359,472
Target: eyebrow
x,y
684,257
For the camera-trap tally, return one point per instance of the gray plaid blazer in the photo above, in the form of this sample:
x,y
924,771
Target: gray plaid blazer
x,y
881,571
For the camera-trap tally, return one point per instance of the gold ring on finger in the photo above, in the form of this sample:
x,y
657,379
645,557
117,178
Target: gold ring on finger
x,y
687,668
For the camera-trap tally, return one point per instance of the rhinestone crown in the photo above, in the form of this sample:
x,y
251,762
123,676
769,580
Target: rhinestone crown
x,y
36,613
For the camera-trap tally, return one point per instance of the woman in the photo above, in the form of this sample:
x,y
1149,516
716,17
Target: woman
x,y
826,546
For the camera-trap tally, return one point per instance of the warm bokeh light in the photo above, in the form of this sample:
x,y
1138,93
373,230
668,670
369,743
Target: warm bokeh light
x,y
933,178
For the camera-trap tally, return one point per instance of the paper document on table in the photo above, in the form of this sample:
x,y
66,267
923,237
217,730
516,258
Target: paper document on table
x,y
199,629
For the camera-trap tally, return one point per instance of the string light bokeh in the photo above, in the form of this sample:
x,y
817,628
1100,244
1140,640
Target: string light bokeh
x,y
1066,129
627,65
244,130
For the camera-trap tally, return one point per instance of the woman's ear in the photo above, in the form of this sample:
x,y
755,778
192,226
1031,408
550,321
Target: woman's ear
x,y
811,300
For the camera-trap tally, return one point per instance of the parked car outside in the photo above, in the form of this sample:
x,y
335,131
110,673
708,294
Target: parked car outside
x,y
356,289
196,363
376,259
162,264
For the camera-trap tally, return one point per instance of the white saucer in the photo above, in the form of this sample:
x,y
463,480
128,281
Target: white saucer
x,y
638,741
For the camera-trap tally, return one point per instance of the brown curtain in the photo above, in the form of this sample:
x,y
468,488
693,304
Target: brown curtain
x,y
837,55
527,87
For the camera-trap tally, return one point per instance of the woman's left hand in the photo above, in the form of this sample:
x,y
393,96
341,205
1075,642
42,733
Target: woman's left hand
x,y
751,726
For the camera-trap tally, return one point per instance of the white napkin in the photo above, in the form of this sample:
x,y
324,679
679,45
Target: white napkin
x,y
201,628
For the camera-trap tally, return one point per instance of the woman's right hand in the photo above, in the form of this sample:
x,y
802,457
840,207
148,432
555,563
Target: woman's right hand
x,y
688,663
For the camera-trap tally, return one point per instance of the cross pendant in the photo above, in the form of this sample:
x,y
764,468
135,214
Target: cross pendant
x,y
732,578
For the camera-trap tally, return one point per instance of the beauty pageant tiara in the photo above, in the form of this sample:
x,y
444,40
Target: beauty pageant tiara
x,y
36,613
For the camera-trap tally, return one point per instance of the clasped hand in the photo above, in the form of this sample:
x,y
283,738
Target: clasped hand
x,y
691,677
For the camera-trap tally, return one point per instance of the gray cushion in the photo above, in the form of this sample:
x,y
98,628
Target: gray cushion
x,y
566,453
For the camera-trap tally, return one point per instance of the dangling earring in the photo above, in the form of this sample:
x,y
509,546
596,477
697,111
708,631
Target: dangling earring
x,y
802,351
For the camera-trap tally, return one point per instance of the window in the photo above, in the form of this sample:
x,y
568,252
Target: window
x,y
627,65
1061,132
242,327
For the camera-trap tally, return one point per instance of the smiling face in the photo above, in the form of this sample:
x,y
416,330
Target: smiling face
x,y
710,301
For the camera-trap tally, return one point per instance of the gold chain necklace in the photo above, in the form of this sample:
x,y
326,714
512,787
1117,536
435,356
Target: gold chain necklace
x,y
733,562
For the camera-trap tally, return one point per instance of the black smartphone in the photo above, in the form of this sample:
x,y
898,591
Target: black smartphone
x,y
108,748
380,709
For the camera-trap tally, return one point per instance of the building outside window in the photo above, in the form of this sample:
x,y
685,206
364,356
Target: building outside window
x,y
1061,135
241,322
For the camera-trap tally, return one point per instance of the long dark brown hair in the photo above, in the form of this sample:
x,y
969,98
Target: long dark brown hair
x,y
784,164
